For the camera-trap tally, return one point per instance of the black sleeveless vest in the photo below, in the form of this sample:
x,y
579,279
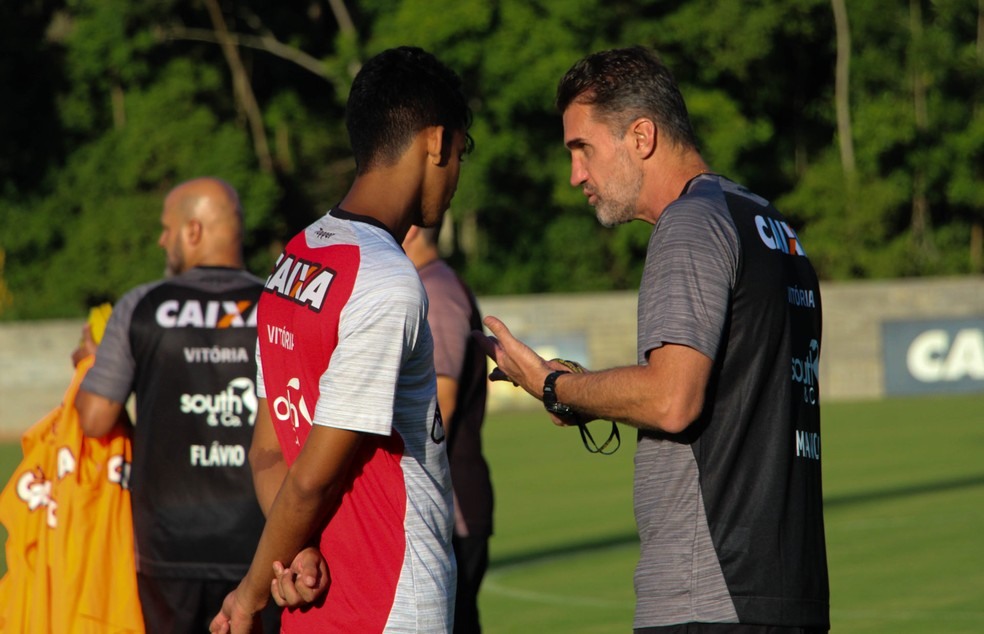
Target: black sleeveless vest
x,y
757,443
194,507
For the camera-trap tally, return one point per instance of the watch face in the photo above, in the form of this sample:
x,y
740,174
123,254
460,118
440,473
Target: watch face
x,y
559,408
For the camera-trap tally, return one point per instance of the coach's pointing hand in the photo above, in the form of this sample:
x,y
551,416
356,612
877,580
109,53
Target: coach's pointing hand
x,y
516,361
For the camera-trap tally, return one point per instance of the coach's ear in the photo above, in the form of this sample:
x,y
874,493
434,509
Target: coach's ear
x,y
643,133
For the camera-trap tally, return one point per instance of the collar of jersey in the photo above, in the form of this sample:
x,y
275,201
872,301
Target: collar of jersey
x,y
342,214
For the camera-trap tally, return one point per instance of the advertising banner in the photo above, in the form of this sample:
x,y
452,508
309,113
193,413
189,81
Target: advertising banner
x,y
934,356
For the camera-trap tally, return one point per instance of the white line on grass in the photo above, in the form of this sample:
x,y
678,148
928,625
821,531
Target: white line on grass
x,y
490,585
495,583
908,616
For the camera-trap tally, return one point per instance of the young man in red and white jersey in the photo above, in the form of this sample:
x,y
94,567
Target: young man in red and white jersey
x,y
348,456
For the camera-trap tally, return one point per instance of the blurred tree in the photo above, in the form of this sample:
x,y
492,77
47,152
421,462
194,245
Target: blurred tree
x,y
140,111
30,137
842,99
919,187
521,227
109,103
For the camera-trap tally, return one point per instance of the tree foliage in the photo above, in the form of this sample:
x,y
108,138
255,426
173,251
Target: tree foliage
x,y
109,103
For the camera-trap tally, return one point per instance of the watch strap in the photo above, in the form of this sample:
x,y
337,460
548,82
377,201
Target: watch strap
x,y
550,393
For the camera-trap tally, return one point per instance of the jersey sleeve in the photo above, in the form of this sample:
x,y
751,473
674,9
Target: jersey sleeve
x,y
379,329
691,268
112,374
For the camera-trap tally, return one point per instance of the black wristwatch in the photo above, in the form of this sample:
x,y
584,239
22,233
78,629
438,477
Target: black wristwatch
x,y
550,395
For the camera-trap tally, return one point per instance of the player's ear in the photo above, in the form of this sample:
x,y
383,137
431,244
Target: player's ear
x,y
412,233
438,146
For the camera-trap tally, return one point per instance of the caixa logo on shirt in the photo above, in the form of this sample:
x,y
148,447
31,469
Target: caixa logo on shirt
x,y
778,235
229,408
192,313
302,282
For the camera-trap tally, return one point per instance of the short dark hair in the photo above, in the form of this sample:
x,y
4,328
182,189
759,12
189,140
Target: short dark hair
x,y
395,95
625,84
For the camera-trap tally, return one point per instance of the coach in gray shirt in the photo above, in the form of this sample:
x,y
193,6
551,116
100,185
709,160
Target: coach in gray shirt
x,y
725,395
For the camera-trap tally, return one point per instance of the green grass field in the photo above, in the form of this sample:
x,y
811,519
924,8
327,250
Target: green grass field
x,y
904,485
904,490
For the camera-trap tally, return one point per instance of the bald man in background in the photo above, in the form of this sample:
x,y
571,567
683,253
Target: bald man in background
x,y
184,346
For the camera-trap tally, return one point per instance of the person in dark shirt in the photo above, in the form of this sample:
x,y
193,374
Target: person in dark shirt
x,y
184,346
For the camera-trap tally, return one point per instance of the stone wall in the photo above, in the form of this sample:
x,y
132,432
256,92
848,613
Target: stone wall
x,y
851,361
597,329
35,370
